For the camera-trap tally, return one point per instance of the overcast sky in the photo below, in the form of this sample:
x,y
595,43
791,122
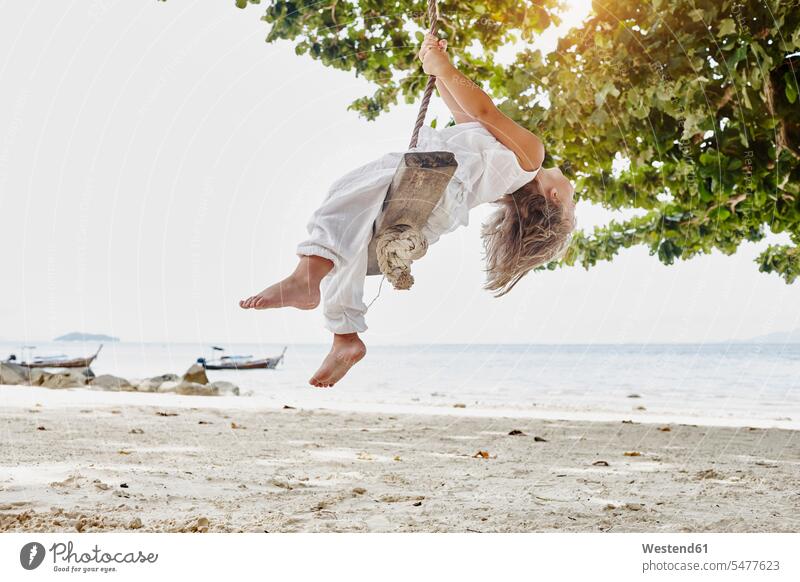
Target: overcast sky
x,y
159,161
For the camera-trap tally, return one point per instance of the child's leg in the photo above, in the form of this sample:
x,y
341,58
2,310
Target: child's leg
x,y
346,351
300,289
339,232
335,255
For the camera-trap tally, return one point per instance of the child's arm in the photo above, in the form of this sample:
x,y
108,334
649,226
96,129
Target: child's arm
x,y
478,106
459,115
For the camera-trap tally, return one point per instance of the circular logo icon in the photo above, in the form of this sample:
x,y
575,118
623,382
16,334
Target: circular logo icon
x,y
31,555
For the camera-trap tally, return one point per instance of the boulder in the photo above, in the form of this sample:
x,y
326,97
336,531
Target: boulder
x,y
67,378
165,378
147,385
154,383
113,383
226,388
196,374
36,377
168,386
195,389
13,374
81,376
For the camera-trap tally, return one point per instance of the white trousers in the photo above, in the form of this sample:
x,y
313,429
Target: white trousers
x,y
340,230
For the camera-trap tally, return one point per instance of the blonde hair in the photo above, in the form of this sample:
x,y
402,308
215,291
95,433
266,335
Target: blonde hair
x,y
526,232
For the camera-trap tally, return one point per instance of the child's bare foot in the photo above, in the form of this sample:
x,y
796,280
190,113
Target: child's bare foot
x,y
291,292
347,351
300,289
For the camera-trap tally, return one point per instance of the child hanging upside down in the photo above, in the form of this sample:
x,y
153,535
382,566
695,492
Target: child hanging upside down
x,y
498,161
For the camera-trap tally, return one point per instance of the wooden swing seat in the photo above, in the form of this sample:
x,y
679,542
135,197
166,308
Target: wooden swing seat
x,y
417,187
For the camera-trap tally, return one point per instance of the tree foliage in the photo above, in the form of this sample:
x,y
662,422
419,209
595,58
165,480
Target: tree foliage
x,y
379,40
685,113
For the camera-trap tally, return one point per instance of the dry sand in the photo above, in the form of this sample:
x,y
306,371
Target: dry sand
x,y
119,468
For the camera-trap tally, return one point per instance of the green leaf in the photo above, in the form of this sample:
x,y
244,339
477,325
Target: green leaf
x,y
697,15
722,213
791,87
726,26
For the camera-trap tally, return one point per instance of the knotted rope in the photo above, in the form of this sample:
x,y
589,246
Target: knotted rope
x,y
399,245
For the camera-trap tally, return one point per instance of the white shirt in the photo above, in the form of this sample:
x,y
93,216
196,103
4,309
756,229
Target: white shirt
x,y
486,171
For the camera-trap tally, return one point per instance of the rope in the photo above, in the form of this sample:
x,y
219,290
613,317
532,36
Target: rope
x,y
380,287
399,245
433,18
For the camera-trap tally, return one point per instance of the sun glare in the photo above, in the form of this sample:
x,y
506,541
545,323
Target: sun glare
x,y
575,12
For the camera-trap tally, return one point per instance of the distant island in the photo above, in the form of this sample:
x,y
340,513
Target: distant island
x,y
778,337
77,336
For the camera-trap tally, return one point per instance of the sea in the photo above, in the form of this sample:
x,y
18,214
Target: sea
x,y
737,384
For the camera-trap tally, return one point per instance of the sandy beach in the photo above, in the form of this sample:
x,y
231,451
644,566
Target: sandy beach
x,y
163,468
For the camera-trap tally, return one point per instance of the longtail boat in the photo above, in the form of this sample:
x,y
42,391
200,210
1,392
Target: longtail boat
x,y
241,362
60,361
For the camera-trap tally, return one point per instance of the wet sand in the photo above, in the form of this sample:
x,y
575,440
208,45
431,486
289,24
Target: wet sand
x,y
146,468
